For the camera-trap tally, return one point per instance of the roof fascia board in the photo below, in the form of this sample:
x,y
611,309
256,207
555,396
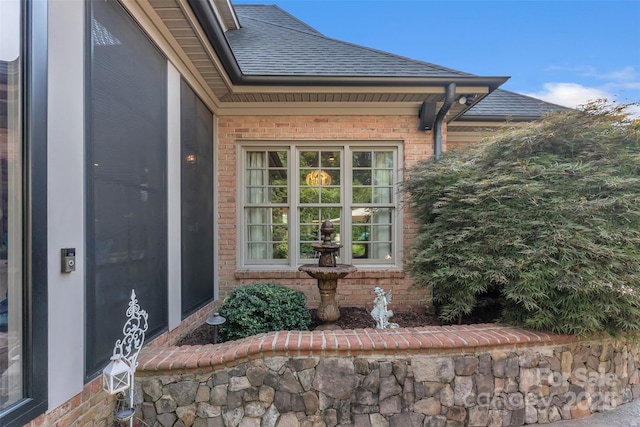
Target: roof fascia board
x,y
145,16
213,31
224,7
467,84
215,34
206,42
423,89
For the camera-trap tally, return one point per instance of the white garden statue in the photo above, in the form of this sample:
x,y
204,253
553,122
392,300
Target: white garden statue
x,y
380,313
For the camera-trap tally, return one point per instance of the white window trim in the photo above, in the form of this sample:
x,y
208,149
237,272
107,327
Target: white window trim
x,y
292,147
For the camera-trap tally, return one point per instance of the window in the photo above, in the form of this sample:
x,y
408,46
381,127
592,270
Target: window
x,y
23,216
11,286
288,191
126,148
196,201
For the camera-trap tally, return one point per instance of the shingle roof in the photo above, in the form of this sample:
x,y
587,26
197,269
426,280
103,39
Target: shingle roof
x,y
504,103
272,42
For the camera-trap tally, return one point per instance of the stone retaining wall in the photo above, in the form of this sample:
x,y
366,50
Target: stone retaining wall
x,y
481,375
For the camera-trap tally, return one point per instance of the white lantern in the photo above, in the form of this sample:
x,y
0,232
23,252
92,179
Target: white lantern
x,y
116,376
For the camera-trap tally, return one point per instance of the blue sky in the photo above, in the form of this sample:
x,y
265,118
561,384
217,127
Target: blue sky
x,y
563,51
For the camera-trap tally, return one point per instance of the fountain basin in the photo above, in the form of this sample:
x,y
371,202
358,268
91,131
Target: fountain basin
x,y
327,273
327,277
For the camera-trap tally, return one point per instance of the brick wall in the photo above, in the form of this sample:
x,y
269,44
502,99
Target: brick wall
x,y
93,407
355,289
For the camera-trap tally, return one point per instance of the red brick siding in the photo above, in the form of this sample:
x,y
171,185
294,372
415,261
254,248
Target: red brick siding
x,y
356,289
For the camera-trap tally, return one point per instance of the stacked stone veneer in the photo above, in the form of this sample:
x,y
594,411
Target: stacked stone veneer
x,y
481,375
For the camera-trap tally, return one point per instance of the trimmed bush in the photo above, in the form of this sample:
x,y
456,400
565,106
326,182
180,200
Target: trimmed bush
x,y
263,307
546,215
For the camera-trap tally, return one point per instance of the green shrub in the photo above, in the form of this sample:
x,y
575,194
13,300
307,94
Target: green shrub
x,y
263,307
546,215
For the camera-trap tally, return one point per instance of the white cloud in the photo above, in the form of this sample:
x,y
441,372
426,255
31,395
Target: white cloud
x,y
627,74
634,111
623,76
569,94
574,95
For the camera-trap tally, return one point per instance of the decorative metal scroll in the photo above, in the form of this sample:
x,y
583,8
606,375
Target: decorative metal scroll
x,y
134,331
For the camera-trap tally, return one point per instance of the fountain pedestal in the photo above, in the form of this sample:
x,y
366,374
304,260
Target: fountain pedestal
x,y
328,310
327,272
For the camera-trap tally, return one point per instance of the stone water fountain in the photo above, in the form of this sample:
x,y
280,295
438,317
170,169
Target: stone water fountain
x,y
327,272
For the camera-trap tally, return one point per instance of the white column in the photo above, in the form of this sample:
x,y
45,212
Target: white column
x,y
66,199
174,267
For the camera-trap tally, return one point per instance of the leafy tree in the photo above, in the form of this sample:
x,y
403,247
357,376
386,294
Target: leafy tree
x,y
546,215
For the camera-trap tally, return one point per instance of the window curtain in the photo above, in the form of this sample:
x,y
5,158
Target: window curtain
x,y
256,216
383,193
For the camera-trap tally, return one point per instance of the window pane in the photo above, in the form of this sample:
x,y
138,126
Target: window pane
x,y
362,159
280,250
382,177
309,159
126,179
279,215
361,195
383,159
267,240
382,216
11,285
255,177
383,195
361,233
361,177
382,251
309,195
311,220
309,216
277,177
319,177
278,159
330,195
372,182
257,251
266,184
333,215
334,177
196,201
255,195
278,195
382,234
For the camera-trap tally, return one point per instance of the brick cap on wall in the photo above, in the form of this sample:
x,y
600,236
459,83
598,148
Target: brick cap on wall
x,y
357,342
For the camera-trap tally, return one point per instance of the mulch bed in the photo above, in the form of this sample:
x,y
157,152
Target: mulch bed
x,y
358,318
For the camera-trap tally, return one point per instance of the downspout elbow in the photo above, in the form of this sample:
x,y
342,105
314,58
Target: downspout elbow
x,y
437,128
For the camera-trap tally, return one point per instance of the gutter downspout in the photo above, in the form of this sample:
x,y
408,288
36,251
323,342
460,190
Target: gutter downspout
x,y
437,128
